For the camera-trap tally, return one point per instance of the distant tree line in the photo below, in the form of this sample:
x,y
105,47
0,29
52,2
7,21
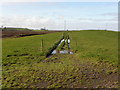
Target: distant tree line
x,y
13,29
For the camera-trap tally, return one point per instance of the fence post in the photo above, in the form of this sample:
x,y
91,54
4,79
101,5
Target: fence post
x,y
42,45
76,45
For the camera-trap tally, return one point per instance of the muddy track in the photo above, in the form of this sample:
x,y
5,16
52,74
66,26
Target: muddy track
x,y
83,73
62,46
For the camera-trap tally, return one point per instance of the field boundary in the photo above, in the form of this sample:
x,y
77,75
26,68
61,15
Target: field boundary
x,y
53,48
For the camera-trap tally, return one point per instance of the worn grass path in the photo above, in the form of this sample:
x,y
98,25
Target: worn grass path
x,y
69,71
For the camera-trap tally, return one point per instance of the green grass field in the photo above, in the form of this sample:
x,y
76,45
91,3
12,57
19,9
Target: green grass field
x,y
16,50
92,65
101,45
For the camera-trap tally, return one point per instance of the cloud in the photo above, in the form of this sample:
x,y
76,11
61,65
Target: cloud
x,y
56,24
49,22
113,19
110,17
28,21
106,20
85,19
109,14
61,17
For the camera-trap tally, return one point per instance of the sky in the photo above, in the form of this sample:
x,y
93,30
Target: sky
x,y
53,15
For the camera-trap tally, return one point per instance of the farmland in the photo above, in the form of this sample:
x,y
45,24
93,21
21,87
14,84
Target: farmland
x,y
23,33
93,65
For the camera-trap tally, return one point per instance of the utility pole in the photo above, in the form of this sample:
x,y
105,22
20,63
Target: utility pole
x,y
2,27
76,46
65,25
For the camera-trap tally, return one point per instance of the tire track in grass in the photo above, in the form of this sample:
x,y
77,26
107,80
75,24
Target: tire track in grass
x,y
62,46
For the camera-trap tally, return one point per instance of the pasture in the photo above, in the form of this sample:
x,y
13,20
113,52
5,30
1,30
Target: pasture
x,y
93,65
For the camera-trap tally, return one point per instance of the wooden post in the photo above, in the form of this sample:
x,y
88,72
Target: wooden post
x,y
69,48
57,51
42,45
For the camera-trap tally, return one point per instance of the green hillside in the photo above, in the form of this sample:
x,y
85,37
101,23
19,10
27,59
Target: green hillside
x,y
93,64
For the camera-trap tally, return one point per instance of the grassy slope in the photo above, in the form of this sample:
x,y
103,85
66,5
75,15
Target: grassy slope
x,y
101,45
14,48
24,51
83,69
